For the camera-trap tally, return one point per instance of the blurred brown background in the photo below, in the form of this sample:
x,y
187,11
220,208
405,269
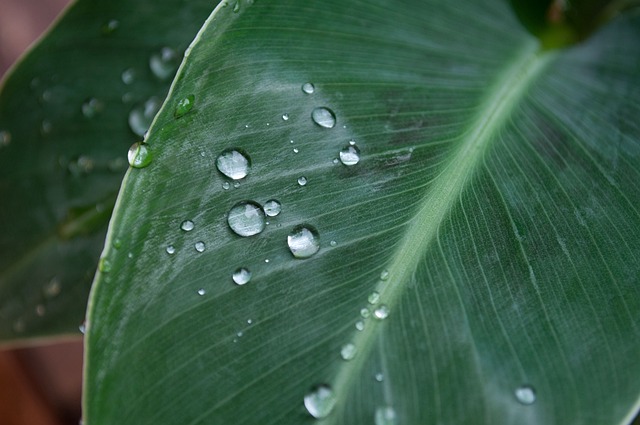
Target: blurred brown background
x,y
38,385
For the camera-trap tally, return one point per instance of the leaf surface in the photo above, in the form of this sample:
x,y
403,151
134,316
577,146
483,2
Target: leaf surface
x,y
481,257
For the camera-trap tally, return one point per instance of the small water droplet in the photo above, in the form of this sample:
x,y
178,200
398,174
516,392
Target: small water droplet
x,y
82,328
233,163
200,246
104,265
360,325
373,298
184,106
381,312
350,155
139,155
236,7
53,288
128,76
379,377
201,291
352,142
335,161
249,321
187,225
246,218
110,27
239,334
320,401
365,313
303,241
295,150
385,416
333,243
171,250
285,117
91,107
348,351
41,310
324,117
272,208
117,243
236,184
5,138
384,274
266,260
46,127
308,88
242,276
291,141
226,185
141,116
526,394
164,63
302,180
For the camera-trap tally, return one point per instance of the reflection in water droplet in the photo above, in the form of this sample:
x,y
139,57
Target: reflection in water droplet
x,y
171,250
246,218
364,313
128,76
139,155
242,276
5,138
285,117
272,208
385,416
526,394
302,180
201,291
164,64
233,163
324,117
187,225
303,241
350,155
320,401
348,351
200,246
373,298
360,325
308,88
141,116
91,107
184,106
381,312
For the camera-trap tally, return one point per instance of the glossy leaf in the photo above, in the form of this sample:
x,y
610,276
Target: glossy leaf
x,y
64,112
478,263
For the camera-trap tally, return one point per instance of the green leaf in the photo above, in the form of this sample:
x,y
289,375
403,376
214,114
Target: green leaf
x,y
489,231
64,112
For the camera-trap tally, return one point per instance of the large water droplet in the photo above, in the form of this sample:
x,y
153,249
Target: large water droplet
x,y
139,155
128,76
91,107
320,401
272,208
526,394
200,246
350,155
303,241
233,163
348,351
302,180
164,64
141,116
187,225
381,312
242,276
184,106
385,416
308,88
246,218
324,117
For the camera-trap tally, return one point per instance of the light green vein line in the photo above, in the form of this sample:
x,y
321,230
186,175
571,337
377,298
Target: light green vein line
x,y
510,87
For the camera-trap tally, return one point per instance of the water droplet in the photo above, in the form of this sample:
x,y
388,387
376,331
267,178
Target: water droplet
x,y
385,416
242,276
91,107
5,138
348,351
128,76
233,163
324,117
239,334
236,7
117,243
335,161
360,325
364,313
141,116
19,326
350,155
302,180
373,298
266,260
295,150
187,225
200,246
384,274
333,243
303,241
171,250
352,142
246,218
308,88
41,310
249,321
226,185
272,208
104,265
139,155
381,312
320,401
379,377
184,106
82,328
46,127
526,394
236,184
285,117
201,291
52,288
110,27
165,63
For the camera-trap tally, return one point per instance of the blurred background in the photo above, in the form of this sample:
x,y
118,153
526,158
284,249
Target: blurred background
x,y
38,385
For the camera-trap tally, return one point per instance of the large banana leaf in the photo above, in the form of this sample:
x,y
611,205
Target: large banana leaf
x,y
64,132
478,264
